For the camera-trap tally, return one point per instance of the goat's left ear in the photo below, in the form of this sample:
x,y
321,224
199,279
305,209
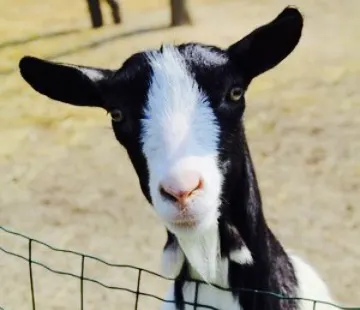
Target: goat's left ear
x,y
77,85
269,44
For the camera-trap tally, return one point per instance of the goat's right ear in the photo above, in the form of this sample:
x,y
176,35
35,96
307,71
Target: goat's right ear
x,y
77,85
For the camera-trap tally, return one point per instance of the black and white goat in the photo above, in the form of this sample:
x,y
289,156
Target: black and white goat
x,y
178,112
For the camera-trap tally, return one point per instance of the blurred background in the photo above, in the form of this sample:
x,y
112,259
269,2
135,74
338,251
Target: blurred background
x,y
66,181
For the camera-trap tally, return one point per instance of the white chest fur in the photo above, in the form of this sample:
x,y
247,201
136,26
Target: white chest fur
x,y
206,264
206,295
310,284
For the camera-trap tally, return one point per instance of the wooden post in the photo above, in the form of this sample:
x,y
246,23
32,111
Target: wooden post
x,y
179,13
115,10
95,13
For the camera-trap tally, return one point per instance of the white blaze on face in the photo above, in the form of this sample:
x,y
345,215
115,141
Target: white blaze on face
x,y
181,133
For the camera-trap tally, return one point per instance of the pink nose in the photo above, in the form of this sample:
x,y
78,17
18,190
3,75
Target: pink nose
x,y
180,186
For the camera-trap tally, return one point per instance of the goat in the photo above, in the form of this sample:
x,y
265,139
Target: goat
x,y
178,112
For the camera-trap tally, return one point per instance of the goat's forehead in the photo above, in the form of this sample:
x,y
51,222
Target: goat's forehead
x,y
174,78
192,57
203,56
178,113
162,76
178,67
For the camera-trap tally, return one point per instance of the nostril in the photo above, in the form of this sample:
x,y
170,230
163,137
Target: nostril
x,y
167,195
199,186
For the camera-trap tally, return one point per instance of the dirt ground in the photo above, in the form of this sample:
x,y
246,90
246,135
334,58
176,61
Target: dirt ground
x,y
66,181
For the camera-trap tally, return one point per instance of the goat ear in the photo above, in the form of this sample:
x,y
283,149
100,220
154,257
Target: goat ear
x,y
72,84
269,44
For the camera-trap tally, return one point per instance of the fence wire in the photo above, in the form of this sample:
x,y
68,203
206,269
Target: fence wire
x,y
140,271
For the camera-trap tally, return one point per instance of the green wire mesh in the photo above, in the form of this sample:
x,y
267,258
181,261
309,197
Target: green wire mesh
x,y
140,272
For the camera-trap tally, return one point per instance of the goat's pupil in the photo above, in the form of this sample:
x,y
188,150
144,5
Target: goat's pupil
x,y
236,93
116,115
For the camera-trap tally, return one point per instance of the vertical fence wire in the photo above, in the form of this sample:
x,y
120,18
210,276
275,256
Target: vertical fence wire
x,y
196,295
31,276
138,290
82,282
255,301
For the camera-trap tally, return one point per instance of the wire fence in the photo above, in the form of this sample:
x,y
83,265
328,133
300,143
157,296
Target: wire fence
x,y
140,272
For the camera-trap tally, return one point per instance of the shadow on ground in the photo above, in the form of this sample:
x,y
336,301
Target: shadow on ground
x,y
79,48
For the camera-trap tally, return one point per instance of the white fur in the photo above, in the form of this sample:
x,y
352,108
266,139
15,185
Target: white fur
x,y
311,286
203,252
204,56
242,256
207,296
173,259
92,74
180,132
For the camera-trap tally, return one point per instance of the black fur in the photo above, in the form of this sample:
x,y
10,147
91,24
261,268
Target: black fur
x,y
216,70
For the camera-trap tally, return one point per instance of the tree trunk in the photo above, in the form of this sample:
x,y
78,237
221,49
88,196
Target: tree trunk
x,y
115,10
95,13
179,13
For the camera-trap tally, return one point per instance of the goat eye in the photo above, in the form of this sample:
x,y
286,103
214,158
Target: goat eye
x,y
117,115
235,94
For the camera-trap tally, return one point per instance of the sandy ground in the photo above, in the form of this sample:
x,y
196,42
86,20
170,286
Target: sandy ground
x,y
65,180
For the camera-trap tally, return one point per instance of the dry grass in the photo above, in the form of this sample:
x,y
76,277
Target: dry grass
x,y
64,179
